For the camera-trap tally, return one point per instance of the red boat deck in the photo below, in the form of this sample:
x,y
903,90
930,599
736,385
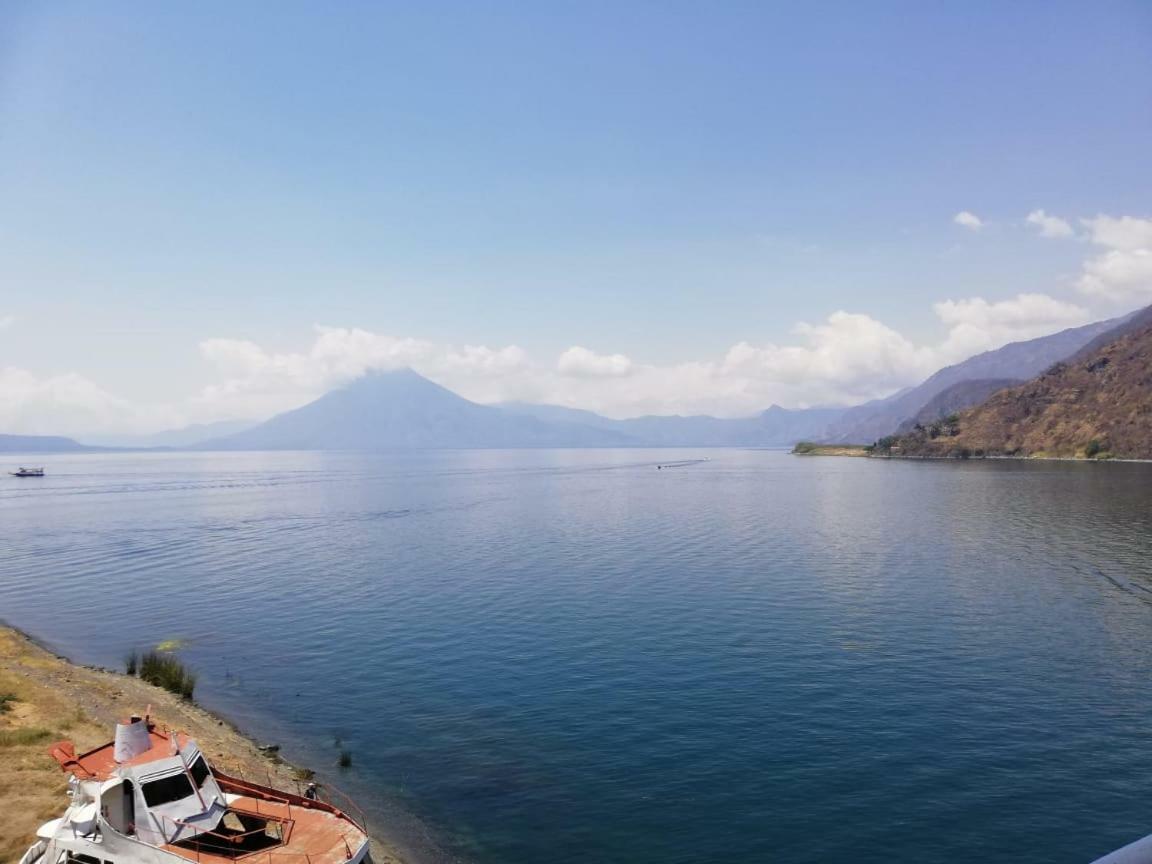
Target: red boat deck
x,y
311,835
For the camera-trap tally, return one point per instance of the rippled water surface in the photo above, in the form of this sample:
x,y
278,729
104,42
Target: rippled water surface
x,y
573,656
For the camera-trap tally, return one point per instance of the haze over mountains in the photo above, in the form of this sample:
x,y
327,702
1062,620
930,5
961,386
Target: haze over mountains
x,y
402,409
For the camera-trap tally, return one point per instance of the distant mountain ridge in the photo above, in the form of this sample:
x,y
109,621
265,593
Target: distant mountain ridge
x,y
775,427
1098,403
1016,360
187,436
42,444
402,409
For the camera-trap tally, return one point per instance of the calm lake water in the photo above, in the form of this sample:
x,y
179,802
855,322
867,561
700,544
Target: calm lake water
x,y
571,656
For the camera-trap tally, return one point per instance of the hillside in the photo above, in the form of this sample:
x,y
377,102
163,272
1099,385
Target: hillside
x,y
402,409
957,398
1017,360
1097,404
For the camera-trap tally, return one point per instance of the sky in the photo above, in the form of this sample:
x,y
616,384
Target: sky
x,y
215,211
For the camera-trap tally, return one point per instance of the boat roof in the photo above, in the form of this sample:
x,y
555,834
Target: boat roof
x,y
101,764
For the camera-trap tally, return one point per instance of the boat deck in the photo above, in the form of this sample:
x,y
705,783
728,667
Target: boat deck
x,y
308,835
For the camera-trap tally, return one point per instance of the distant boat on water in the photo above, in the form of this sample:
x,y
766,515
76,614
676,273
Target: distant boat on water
x,y
28,472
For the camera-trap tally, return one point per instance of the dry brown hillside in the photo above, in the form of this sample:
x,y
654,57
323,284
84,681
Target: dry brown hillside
x,y
1098,404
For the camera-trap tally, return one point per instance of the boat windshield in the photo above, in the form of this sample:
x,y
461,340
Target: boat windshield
x,y
175,787
199,771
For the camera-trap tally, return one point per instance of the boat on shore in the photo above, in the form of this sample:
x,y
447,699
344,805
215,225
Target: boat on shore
x,y
27,472
151,797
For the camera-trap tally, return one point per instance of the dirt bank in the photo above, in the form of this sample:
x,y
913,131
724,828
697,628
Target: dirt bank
x,y
45,698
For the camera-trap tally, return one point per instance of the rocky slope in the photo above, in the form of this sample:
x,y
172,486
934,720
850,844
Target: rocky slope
x,y
958,397
1097,404
1018,360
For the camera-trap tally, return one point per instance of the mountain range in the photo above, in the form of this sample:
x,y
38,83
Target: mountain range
x,y
402,409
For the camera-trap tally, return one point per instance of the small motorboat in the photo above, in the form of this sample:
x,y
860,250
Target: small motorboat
x,y
28,472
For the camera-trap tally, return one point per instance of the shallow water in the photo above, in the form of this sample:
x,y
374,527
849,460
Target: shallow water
x,y
563,656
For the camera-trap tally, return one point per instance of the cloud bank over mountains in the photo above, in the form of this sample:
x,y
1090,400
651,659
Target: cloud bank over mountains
x,y
848,358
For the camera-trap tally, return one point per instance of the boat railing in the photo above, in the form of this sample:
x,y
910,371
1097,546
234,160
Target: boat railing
x,y
342,806
35,852
255,856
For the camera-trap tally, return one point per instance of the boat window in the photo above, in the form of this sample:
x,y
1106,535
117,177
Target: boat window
x,y
199,771
81,858
166,789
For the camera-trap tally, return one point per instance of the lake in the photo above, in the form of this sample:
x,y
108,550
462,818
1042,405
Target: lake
x,y
577,656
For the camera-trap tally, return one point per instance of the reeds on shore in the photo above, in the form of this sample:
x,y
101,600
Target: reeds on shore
x,y
168,672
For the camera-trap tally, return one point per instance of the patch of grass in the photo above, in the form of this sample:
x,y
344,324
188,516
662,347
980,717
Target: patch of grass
x,y
24,737
168,672
303,774
6,700
132,662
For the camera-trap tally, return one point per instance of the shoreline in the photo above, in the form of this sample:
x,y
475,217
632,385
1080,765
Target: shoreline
x,y
57,698
854,451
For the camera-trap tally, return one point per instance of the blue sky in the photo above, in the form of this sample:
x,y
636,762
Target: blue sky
x,y
652,181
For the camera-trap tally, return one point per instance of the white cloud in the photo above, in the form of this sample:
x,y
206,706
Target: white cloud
x,y
6,321
582,363
969,220
848,358
258,383
1124,232
1050,226
976,325
70,404
1122,272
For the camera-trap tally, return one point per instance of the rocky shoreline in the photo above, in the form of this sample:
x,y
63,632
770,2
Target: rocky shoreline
x,y
45,697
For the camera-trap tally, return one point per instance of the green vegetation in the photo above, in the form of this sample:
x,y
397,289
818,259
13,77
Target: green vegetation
x,y
22,737
166,671
809,448
6,700
131,662
946,426
1093,449
883,446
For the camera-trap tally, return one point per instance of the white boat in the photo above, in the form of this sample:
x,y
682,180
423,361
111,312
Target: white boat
x,y
28,472
151,797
